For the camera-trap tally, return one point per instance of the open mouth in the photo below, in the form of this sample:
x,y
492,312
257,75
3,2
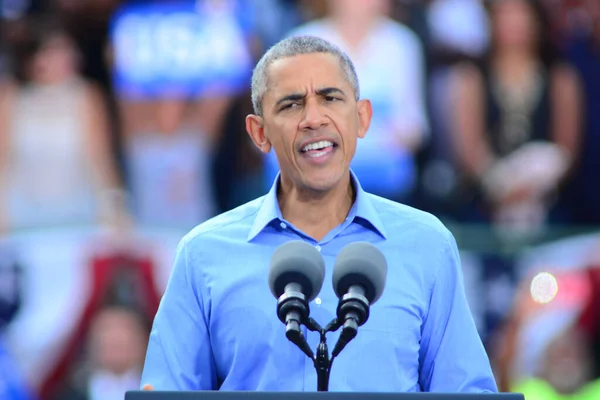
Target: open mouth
x,y
318,149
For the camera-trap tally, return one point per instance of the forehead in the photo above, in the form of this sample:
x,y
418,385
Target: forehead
x,y
306,72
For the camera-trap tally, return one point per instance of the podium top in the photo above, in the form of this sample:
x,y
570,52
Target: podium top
x,y
241,395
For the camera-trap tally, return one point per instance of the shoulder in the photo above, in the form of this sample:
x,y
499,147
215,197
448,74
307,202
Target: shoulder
x,y
421,240
467,71
562,74
399,39
8,86
91,95
399,31
564,88
467,78
92,91
400,219
237,220
9,90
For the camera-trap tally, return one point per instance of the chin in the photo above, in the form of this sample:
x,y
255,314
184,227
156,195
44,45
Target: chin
x,y
324,181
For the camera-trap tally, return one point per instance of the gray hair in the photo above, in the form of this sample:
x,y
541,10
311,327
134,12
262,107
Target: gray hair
x,y
293,46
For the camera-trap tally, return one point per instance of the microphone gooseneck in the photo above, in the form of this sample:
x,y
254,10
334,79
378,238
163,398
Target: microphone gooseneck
x,y
352,312
296,276
358,280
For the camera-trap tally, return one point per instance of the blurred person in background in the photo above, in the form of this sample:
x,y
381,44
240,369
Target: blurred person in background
x,y
114,356
583,51
88,21
452,31
390,65
168,159
173,101
568,366
515,121
56,168
549,344
566,371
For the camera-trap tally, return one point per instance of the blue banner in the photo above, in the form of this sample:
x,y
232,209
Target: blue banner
x,y
181,49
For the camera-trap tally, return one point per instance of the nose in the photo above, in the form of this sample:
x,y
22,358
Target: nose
x,y
314,117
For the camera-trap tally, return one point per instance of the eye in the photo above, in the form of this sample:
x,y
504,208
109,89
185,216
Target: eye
x,y
330,99
288,106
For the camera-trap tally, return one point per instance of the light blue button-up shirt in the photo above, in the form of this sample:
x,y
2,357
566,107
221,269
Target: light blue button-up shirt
x,y
216,327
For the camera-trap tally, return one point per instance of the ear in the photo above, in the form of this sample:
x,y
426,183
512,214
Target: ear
x,y
256,130
365,112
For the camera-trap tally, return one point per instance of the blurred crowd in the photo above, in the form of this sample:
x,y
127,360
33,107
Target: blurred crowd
x,y
122,127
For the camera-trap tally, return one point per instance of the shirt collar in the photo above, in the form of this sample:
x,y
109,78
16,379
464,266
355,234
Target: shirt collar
x,y
362,208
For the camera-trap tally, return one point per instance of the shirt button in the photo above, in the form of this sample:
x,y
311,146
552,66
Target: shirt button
x,y
283,225
318,301
318,247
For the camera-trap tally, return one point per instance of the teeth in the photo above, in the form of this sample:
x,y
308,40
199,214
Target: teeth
x,y
318,145
318,154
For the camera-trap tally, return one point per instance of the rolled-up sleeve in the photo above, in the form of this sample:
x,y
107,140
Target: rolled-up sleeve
x,y
452,356
179,355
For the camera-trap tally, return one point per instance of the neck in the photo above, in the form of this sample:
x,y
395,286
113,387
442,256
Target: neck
x,y
513,57
316,213
353,30
513,65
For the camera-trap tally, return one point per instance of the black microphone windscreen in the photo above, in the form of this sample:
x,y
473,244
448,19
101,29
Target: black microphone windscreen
x,y
360,263
298,262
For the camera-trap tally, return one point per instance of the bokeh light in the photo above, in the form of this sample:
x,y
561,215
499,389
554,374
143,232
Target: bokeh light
x,y
544,287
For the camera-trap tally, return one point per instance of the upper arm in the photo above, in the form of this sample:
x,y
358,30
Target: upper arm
x,y
96,119
566,108
452,357
179,355
466,116
7,94
98,137
7,97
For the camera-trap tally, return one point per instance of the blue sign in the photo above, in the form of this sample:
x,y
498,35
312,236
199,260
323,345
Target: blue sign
x,y
181,49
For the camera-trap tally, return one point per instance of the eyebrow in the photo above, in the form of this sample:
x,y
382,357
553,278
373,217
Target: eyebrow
x,y
330,90
327,91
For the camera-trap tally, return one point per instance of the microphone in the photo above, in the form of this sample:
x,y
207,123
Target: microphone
x,y
296,276
358,281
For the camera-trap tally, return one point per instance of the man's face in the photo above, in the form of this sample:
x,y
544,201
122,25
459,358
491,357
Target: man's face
x,y
311,119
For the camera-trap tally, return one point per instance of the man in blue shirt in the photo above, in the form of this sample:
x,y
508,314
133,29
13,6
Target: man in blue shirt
x,y
216,327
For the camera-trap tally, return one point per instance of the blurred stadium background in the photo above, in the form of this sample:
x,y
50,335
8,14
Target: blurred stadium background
x,y
122,127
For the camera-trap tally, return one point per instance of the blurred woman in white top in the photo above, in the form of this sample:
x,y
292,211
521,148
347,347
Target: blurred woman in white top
x,y
55,163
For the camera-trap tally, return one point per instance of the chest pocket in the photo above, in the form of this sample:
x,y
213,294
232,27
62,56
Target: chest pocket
x,y
244,326
386,348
